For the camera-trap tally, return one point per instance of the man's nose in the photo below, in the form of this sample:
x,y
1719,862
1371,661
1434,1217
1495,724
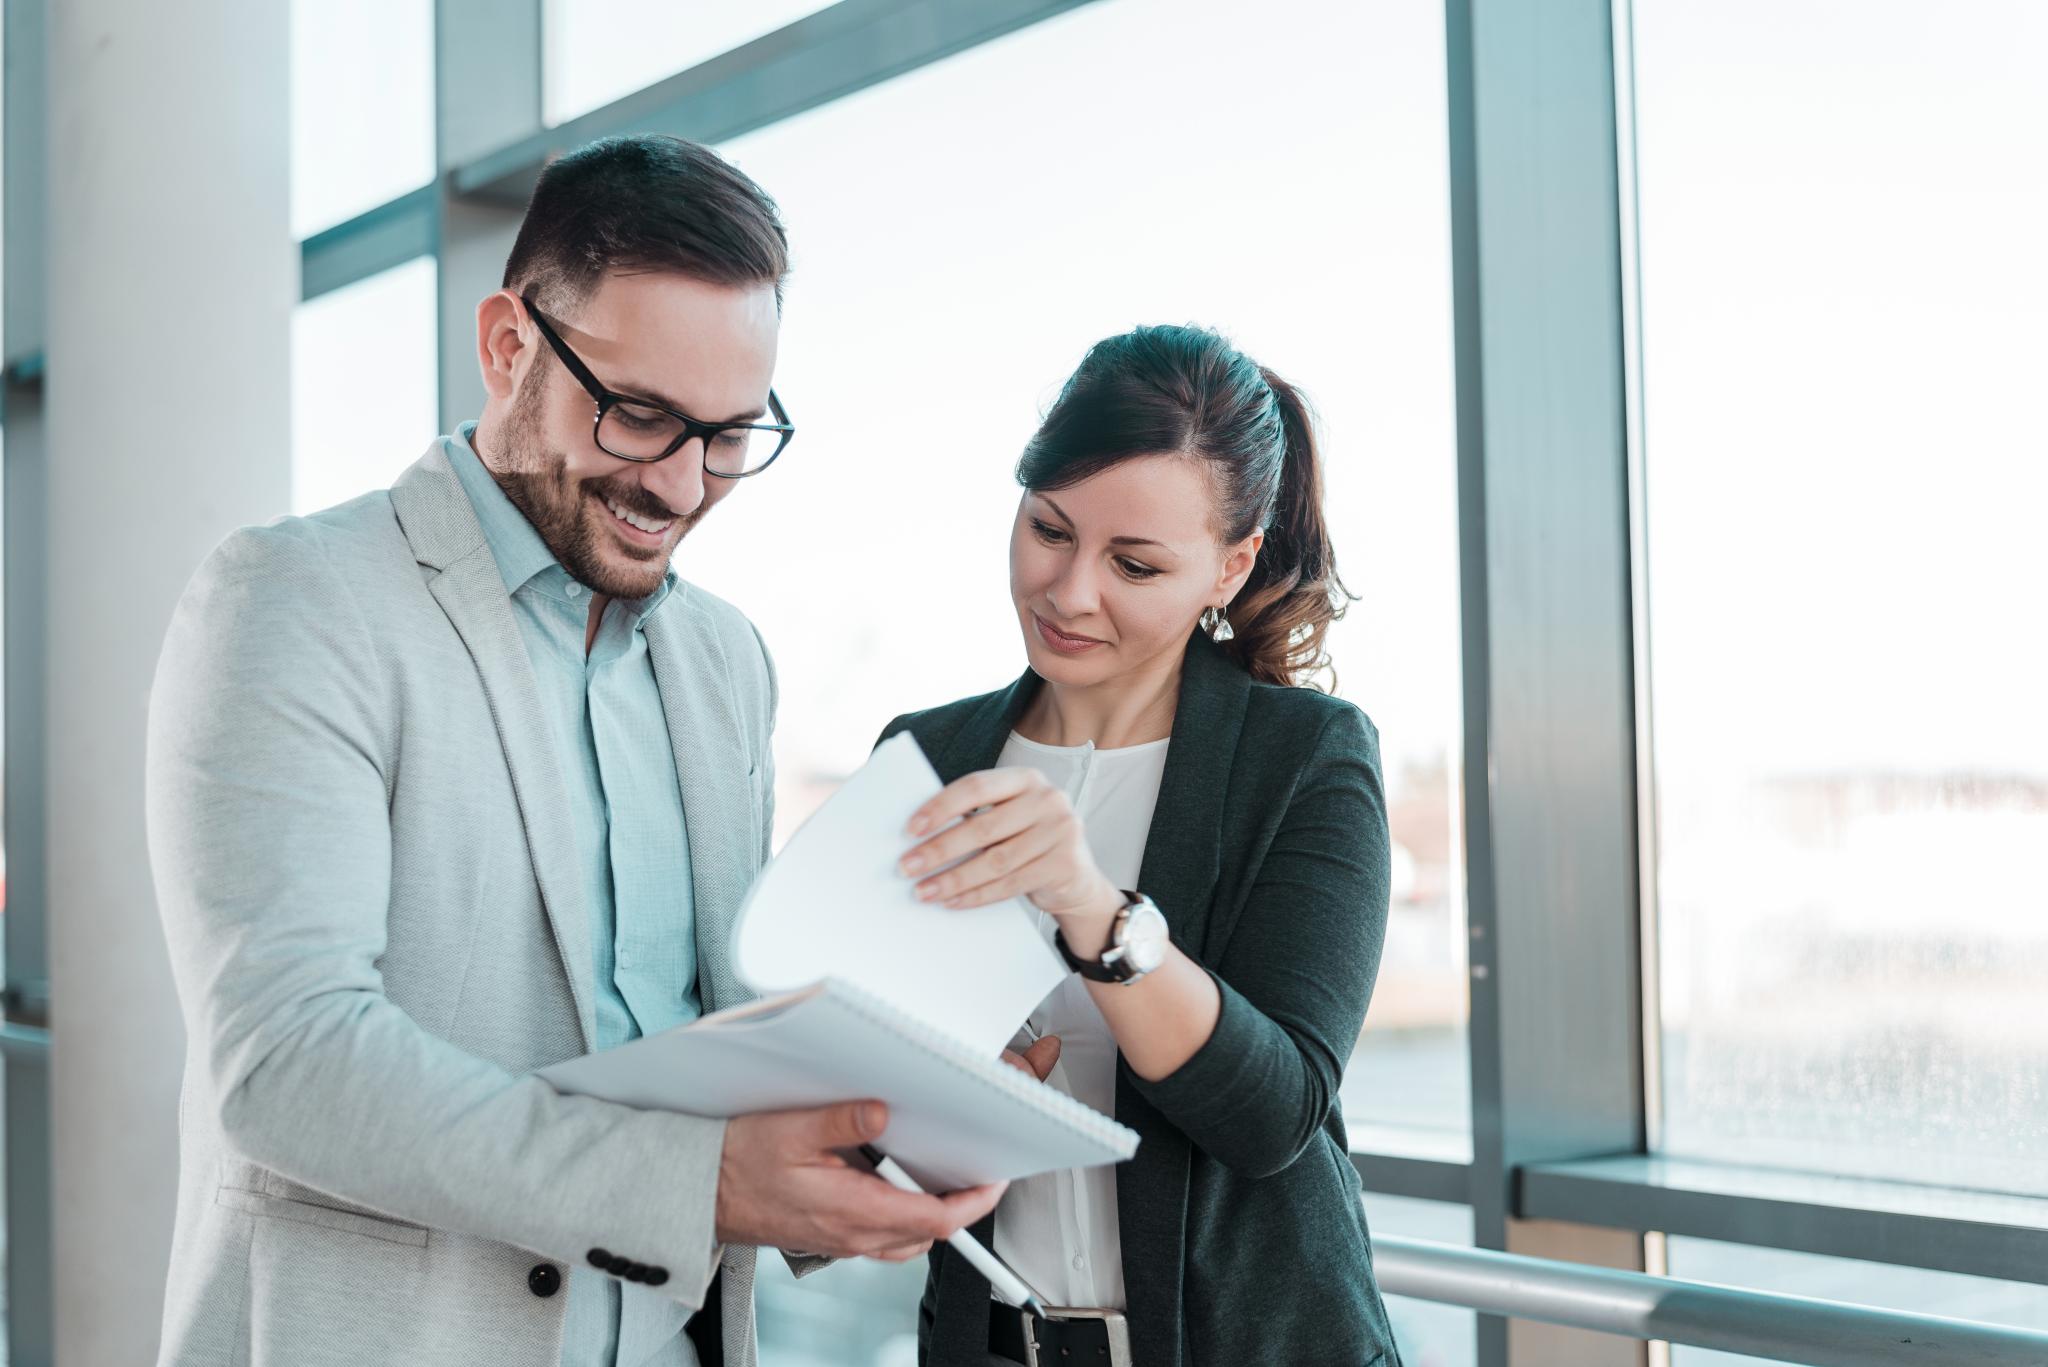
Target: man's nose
x,y
678,481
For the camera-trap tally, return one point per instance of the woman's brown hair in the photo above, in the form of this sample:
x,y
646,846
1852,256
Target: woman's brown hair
x,y
1186,390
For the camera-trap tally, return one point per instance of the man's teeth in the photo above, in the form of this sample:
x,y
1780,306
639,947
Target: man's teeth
x,y
635,520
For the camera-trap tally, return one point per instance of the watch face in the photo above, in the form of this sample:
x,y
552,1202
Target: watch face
x,y
1145,938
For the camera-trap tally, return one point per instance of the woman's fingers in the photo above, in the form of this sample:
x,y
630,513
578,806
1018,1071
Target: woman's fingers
x,y
977,832
1027,849
963,795
1030,880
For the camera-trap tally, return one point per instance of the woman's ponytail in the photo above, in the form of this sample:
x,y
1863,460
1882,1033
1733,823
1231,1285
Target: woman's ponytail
x,y
1282,615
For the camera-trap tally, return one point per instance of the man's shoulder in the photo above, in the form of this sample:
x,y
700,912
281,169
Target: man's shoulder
x,y
360,530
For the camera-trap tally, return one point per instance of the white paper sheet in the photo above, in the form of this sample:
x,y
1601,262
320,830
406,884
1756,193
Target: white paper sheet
x,y
833,905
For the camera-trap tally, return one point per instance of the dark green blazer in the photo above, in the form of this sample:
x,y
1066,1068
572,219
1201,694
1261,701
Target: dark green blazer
x,y
1244,1239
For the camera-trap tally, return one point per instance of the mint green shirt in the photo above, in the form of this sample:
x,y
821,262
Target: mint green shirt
x,y
612,740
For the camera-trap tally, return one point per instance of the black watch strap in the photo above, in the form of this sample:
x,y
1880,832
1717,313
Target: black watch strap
x,y
1087,968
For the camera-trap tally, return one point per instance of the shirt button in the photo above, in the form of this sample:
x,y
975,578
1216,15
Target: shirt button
x,y
1080,1263
574,588
625,958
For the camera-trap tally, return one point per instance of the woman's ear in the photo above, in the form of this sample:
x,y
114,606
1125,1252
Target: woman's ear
x,y
1237,565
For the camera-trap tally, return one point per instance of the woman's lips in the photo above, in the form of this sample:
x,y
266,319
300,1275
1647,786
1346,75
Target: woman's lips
x,y
1060,641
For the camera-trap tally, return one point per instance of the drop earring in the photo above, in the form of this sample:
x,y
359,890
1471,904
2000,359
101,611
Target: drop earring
x,y
1216,621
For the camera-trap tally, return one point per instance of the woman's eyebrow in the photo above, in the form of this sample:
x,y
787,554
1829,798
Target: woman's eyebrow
x,y
1114,540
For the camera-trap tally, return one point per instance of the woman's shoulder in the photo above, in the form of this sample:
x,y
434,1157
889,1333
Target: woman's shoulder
x,y
1300,719
937,724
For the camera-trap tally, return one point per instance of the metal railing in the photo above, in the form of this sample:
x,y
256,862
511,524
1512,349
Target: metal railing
x,y
1698,1314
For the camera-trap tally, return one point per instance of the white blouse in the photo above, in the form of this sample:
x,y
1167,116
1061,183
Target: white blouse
x,y
1059,1230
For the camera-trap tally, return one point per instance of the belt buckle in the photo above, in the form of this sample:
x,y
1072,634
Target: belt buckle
x,y
1113,1322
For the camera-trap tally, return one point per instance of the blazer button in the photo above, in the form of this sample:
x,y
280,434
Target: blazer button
x,y
601,1260
634,1272
544,1280
656,1276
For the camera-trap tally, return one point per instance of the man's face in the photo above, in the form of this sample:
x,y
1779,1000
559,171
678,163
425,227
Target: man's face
x,y
705,350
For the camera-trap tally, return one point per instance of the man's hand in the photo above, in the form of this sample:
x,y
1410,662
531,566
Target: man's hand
x,y
1038,1059
783,1183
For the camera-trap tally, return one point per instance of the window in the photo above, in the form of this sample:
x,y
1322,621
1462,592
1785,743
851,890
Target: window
x,y
922,341
600,50
364,385
362,107
1842,290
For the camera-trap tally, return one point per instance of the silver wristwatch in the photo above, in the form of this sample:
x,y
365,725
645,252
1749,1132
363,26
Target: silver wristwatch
x,y
1137,944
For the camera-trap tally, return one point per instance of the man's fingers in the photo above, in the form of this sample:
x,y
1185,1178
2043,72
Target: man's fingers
x,y
845,1126
903,1253
965,1207
1041,1056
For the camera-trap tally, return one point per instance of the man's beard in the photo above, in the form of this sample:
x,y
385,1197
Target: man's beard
x,y
537,481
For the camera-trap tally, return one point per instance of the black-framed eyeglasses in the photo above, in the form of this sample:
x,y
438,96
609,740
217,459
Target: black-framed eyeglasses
x,y
643,431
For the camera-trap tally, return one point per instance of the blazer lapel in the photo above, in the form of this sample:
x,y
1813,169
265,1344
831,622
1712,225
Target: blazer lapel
x,y
712,766
1183,845
438,521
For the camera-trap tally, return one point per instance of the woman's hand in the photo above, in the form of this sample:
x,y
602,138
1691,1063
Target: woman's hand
x,y
1020,837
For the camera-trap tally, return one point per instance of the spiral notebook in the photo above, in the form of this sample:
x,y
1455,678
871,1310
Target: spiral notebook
x,y
956,1118
875,995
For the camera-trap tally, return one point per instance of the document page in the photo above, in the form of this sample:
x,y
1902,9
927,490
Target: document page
x,y
833,905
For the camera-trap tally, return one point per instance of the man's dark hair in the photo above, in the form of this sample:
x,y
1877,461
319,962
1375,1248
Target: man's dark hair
x,y
640,204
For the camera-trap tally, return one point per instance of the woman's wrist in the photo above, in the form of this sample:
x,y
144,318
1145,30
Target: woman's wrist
x,y
1087,926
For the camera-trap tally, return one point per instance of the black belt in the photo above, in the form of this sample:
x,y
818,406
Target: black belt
x,y
1068,1343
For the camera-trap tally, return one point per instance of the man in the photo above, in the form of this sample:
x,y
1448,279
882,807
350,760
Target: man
x,y
458,780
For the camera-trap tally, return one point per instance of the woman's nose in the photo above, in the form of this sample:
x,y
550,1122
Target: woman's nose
x,y
1073,593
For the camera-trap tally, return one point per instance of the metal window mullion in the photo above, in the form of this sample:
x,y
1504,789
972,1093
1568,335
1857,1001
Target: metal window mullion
x,y
30,1289
488,69
1544,561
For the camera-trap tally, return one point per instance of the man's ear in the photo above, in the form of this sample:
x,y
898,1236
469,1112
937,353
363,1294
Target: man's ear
x,y
504,343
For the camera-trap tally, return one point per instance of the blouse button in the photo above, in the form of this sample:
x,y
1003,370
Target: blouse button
x,y
1080,1263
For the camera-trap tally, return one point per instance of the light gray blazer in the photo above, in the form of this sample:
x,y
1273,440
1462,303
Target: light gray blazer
x,y
364,860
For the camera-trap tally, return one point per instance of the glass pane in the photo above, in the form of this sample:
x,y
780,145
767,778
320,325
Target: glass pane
x,y
851,1314
599,50
362,106
1846,1279
1842,291
365,385
1430,1334
972,303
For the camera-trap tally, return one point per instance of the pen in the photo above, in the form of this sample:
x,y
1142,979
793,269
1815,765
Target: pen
x,y
1008,1284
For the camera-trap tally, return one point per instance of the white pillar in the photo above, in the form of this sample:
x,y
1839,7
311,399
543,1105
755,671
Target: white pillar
x,y
172,276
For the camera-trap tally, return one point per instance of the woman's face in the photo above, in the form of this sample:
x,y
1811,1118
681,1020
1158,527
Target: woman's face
x,y
1110,575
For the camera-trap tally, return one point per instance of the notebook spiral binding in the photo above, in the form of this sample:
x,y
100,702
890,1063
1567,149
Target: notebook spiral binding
x,y
1085,1119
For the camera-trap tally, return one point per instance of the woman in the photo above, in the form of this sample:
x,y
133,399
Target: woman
x,y
1173,579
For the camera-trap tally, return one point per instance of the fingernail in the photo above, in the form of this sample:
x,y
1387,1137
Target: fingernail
x,y
926,894
917,824
872,1118
913,864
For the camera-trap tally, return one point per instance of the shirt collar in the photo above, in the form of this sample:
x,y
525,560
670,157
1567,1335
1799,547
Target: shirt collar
x,y
521,555
515,545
